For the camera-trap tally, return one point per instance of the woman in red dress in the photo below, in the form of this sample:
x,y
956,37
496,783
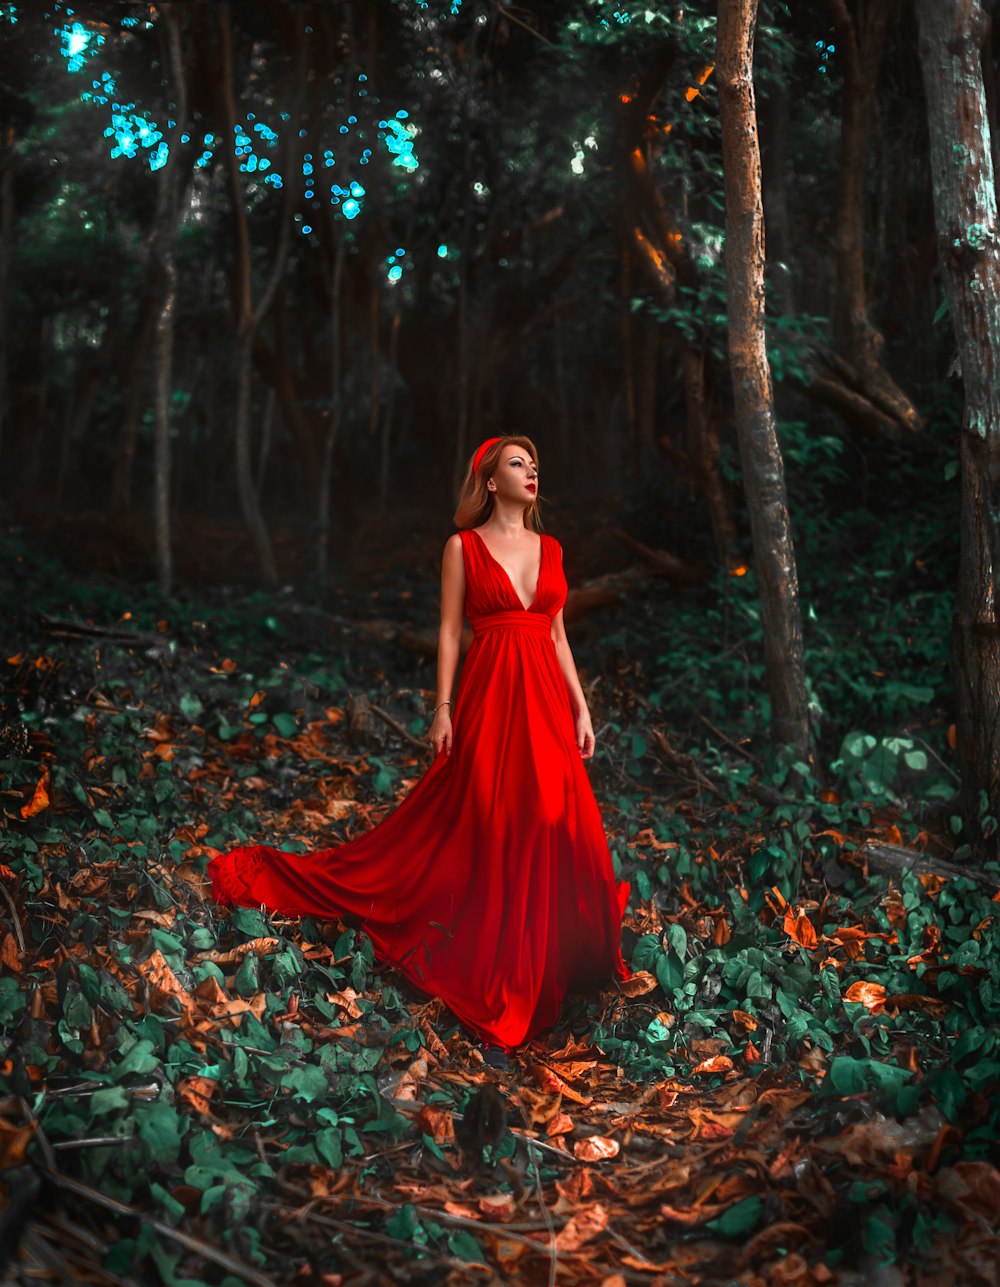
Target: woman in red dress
x,y
491,884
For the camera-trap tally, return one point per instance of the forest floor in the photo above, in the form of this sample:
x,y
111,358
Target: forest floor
x,y
797,1086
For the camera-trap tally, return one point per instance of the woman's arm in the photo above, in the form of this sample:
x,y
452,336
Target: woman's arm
x,y
581,713
449,639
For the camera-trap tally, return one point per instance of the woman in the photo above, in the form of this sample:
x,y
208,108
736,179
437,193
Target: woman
x,y
491,884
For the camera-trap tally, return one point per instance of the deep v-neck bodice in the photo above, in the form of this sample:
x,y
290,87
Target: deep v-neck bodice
x,y
513,588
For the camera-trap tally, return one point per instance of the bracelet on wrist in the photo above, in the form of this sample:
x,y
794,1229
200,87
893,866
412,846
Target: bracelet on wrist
x,y
446,702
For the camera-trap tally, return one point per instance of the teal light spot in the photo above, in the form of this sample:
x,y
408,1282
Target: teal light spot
x,y
306,228
442,251
395,272
77,43
351,209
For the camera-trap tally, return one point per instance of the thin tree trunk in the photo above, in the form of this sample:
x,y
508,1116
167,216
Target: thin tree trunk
x,y
163,365
267,431
385,445
333,422
859,343
965,212
6,235
280,372
128,433
163,266
248,317
375,385
704,450
627,347
649,363
760,451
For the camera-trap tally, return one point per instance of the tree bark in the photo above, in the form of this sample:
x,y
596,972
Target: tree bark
x,y
760,451
335,413
163,267
248,317
385,441
6,237
858,341
965,211
128,433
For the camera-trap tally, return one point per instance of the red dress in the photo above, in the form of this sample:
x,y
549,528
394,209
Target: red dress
x,y
491,884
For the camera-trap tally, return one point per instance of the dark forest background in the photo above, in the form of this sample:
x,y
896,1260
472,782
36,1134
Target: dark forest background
x,y
499,154
269,273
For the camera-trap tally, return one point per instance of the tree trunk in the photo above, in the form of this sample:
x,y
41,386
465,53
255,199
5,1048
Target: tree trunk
x,y
244,469
859,344
385,444
248,317
334,418
965,211
267,432
128,434
163,365
164,272
705,452
760,451
6,234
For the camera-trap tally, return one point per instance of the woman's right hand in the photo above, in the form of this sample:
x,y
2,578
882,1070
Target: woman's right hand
x,y
440,734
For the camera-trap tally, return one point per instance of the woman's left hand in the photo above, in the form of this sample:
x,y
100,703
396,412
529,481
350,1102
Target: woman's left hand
x,y
585,734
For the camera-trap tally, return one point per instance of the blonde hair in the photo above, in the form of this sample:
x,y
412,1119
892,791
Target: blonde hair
x,y
475,501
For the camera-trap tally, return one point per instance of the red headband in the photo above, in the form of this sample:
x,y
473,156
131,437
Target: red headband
x,y
481,451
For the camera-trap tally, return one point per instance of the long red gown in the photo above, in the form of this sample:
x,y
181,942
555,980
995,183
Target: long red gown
x,y
491,884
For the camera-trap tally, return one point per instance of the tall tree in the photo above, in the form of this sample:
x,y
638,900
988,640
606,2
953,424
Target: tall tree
x,y
248,314
163,267
862,387
952,33
760,451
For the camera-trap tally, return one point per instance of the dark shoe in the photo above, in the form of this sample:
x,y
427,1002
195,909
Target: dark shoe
x,y
493,1056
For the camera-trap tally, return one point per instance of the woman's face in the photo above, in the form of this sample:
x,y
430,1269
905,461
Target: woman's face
x,y
516,476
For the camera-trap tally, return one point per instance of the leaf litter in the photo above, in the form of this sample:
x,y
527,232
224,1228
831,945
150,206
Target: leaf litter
x,y
796,1086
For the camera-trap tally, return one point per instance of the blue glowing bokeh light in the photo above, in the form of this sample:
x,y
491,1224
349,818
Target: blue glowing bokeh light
x,y
78,44
133,134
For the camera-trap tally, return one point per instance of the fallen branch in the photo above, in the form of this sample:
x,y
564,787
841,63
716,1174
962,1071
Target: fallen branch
x,y
197,1245
63,628
894,860
421,742
661,562
687,764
